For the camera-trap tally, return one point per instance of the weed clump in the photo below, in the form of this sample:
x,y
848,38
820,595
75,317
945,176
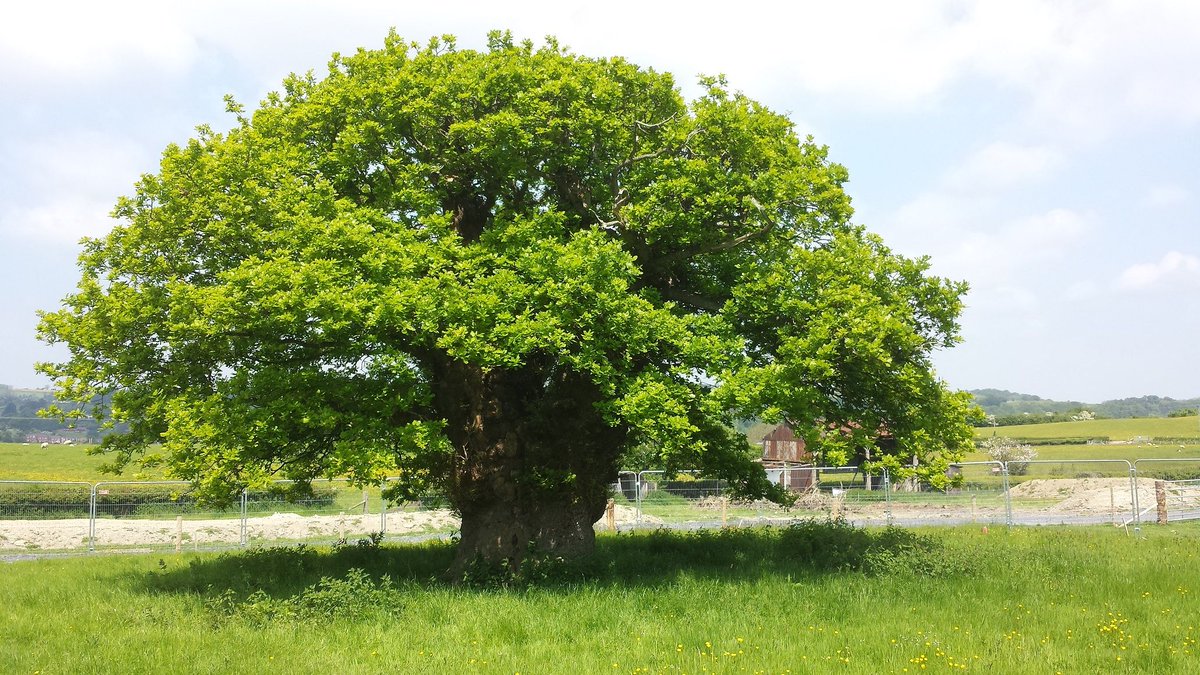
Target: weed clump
x,y
838,546
354,596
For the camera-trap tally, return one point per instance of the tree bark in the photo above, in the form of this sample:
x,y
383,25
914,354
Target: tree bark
x,y
533,461
507,531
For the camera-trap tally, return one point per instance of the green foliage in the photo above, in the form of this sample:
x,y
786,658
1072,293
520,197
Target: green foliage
x,y
1183,412
354,596
433,258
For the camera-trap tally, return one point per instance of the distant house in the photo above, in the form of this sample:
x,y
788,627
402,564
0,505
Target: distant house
x,y
787,460
781,444
53,438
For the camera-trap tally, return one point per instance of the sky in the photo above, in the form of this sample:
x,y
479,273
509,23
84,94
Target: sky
x,y
1048,153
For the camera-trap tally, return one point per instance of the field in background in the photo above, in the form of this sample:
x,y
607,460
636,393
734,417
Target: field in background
x,y
808,599
1114,429
72,463
1166,438
19,461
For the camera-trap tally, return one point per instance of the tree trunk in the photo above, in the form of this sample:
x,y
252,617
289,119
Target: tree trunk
x,y
533,461
505,532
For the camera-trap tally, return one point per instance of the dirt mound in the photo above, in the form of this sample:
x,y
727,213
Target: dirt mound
x,y
1086,495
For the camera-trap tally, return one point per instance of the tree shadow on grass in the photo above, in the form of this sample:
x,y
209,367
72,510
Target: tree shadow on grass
x,y
649,559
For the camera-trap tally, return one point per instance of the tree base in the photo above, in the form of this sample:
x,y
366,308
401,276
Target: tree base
x,y
504,536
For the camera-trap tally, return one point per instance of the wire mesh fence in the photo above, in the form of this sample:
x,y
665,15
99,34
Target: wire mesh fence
x,y
43,515
1048,492
161,515
72,516
978,493
425,516
320,510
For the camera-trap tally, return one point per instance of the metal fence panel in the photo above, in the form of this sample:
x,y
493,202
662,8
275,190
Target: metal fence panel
x,y
161,515
320,510
44,515
684,498
51,515
977,493
1176,489
1094,491
426,516
844,492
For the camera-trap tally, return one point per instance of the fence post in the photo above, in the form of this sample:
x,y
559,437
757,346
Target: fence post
x,y
92,520
1137,507
1008,518
887,495
637,490
383,507
1160,499
242,538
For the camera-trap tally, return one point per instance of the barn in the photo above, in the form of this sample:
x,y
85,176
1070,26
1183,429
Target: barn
x,y
786,455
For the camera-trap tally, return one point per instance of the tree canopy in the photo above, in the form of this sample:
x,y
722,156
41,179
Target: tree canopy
x,y
495,272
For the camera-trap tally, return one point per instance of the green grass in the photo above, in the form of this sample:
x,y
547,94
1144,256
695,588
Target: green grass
x,y
19,461
1115,429
811,599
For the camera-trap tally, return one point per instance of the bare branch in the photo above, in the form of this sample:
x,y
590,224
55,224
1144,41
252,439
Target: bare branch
x,y
654,125
697,301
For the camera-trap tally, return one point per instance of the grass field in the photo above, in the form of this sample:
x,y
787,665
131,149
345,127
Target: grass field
x,y
19,461
1117,429
1081,459
810,599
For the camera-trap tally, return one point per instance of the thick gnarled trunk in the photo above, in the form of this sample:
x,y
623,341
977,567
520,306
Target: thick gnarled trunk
x,y
533,459
507,531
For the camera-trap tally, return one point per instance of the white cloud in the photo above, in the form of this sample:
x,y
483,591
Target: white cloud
x,y
86,40
61,222
1080,291
70,184
1174,270
1002,165
992,259
1165,196
88,163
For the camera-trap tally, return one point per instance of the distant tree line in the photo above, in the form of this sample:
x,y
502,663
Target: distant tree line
x,y
1011,408
19,417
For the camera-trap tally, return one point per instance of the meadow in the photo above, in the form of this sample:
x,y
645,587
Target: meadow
x,y
21,461
1115,429
811,598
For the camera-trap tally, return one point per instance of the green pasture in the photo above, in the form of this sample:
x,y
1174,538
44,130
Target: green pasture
x,y
20,461
1115,429
816,598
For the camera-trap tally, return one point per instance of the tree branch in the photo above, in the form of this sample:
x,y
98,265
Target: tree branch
x,y
697,301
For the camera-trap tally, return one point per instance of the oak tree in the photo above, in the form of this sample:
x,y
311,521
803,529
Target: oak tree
x,y
492,273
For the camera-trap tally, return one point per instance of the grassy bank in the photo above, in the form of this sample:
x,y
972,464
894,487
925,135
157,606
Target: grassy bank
x,y
810,599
